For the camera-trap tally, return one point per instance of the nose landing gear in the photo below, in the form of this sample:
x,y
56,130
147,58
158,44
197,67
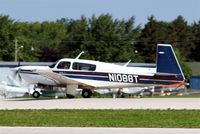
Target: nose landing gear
x,y
36,94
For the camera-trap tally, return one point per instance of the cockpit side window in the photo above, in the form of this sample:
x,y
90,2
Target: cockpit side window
x,y
64,65
83,66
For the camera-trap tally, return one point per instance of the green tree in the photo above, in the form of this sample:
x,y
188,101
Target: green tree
x,y
50,38
184,66
28,38
153,33
195,51
102,38
77,34
112,40
182,37
7,37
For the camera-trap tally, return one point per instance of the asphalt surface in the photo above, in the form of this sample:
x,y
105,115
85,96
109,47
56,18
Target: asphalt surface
x,y
103,103
78,130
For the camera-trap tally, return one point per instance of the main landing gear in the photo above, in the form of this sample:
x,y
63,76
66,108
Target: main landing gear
x,y
86,93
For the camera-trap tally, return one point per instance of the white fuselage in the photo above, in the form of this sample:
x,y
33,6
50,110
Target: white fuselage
x,y
95,73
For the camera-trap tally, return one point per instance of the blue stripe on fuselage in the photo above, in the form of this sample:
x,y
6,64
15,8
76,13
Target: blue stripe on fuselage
x,y
88,77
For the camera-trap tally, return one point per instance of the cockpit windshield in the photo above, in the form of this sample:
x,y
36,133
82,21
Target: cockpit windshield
x,y
64,65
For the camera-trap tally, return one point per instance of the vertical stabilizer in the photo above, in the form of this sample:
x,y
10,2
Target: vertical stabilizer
x,y
167,61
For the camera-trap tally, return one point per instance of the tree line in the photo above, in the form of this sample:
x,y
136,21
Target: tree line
x,y
102,38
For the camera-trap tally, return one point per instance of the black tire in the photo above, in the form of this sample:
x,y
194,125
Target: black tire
x,y
36,94
86,93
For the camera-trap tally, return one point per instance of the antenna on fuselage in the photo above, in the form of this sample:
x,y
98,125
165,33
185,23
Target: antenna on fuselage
x,y
127,63
79,55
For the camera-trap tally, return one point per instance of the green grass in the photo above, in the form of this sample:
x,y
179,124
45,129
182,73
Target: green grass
x,y
102,118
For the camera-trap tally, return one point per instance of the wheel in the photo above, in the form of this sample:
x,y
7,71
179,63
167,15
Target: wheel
x,y
86,93
36,94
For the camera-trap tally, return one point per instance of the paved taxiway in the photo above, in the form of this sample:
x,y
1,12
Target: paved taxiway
x,y
78,130
103,103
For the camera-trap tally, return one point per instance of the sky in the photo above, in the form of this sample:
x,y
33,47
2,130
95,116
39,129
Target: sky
x,y
52,10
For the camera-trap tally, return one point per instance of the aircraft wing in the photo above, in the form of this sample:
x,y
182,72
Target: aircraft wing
x,y
60,79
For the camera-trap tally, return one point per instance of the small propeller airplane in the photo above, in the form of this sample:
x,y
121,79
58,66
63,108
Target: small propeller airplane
x,y
90,75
